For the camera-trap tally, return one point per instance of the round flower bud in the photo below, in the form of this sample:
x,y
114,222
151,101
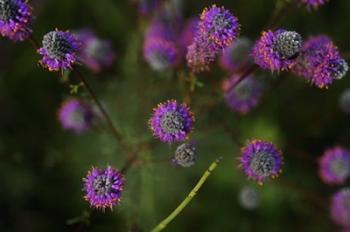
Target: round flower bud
x,y
249,198
185,155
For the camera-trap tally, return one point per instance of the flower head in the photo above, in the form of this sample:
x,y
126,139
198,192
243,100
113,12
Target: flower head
x,y
95,53
75,115
171,122
335,165
244,95
261,160
249,198
320,62
15,19
313,3
160,54
219,25
59,50
185,155
277,50
216,30
340,207
103,187
237,54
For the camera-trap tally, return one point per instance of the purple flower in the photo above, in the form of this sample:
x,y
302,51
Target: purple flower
x,y
261,160
313,3
59,50
75,115
185,155
237,55
103,187
245,95
335,165
147,7
340,207
171,122
320,62
219,25
15,19
160,54
95,53
216,29
277,50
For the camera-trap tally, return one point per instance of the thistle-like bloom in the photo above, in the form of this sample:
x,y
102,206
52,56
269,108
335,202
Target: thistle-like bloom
x,y
237,55
159,49
340,207
216,30
15,19
103,187
95,53
277,50
75,115
185,155
219,25
59,50
320,62
261,160
160,54
344,101
335,165
249,198
171,122
244,95
313,3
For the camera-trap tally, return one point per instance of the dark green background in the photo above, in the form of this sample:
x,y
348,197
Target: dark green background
x,y
41,166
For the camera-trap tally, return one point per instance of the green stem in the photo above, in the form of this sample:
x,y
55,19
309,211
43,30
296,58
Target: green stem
x,y
187,200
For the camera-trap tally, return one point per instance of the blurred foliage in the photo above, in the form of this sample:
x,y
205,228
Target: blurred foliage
x,y
42,166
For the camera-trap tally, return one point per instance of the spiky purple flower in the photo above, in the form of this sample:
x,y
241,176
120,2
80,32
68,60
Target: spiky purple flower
x,y
216,29
219,25
15,19
237,55
75,115
59,50
185,155
340,207
171,122
320,62
335,165
313,3
103,187
261,160
277,50
95,53
244,95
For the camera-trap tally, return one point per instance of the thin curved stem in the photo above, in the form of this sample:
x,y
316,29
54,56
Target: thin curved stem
x,y
187,200
110,124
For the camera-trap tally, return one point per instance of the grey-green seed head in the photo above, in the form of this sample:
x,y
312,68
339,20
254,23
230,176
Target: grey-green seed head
x,y
262,164
102,185
185,155
8,10
340,168
340,69
288,44
56,45
172,122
